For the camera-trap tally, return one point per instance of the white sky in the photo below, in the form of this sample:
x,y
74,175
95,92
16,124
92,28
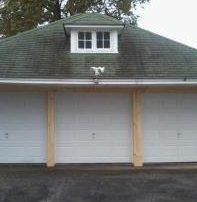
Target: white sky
x,y
175,19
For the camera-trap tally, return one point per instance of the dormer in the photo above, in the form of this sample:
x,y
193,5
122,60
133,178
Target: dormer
x,y
93,33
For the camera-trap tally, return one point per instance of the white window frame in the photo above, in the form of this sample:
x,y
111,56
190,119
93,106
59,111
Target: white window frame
x,y
103,40
85,40
113,41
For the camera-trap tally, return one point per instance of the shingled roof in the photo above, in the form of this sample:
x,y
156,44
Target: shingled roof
x,y
44,53
92,19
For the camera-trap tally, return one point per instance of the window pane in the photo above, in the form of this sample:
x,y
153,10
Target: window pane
x,y
88,35
99,44
99,35
106,36
81,35
106,44
81,44
88,44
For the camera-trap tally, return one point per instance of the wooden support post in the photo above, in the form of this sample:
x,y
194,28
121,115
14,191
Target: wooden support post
x,y
137,131
51,129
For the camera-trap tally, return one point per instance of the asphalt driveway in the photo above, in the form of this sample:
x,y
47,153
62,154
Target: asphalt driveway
x,y
62,185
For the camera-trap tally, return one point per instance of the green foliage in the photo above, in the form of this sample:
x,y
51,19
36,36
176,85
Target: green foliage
x,y
21,15
78,6
120,9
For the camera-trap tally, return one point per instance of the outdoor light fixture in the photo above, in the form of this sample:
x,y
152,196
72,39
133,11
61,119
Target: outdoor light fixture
x,y
98,71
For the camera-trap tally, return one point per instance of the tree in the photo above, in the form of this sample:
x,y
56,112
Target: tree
x,y
21,15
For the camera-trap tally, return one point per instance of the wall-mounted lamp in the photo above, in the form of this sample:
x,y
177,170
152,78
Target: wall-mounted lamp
x,y
98,71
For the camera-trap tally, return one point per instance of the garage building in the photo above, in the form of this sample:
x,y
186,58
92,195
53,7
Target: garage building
x,y
89,89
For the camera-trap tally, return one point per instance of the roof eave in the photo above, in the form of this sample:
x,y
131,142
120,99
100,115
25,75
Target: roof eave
x,y
92,27
101,82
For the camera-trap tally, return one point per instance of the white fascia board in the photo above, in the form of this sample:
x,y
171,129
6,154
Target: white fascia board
x,y
95,26
104,82
92,27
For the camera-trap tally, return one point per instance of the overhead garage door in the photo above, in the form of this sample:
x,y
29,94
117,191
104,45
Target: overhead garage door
x,y
93,128
22,128
170,127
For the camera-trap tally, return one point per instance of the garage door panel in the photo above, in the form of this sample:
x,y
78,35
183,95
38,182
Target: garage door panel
x,y
14,151
165,154
167,136
100,132
92,160
188,152
169,103
152,100
18,144
187,136
25,135
152,122
85,135
103,143
22,127
187,100
150,137
19,159
100,153
173,137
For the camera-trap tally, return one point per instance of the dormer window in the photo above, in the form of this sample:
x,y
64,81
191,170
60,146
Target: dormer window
x,y
93,33
103,39
94,40
97,40
84,40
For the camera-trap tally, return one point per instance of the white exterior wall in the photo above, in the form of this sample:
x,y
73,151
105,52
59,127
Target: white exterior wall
x,y
93,128
22,127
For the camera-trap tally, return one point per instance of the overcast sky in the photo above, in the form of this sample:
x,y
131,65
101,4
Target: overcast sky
x,y
175,19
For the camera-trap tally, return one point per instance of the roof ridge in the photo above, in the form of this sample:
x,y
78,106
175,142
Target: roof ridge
x,y
98,15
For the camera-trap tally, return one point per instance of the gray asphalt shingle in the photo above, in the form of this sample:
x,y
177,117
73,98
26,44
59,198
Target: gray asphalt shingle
x,y
45,53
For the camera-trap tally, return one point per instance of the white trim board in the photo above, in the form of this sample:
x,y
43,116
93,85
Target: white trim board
x,y
95,26
102,82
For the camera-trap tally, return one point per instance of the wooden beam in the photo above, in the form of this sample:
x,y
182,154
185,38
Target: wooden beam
x,y
51,129
97,89
94,89
12,88
170,89
137,131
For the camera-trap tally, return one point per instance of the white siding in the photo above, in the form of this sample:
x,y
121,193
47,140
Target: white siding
x,y
93,128
170,127
22,127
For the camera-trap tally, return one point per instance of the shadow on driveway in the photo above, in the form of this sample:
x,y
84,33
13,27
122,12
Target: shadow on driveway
x,y
61,185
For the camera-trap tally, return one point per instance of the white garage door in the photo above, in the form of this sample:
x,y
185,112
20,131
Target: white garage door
x,y
22,128
93,128
170,127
